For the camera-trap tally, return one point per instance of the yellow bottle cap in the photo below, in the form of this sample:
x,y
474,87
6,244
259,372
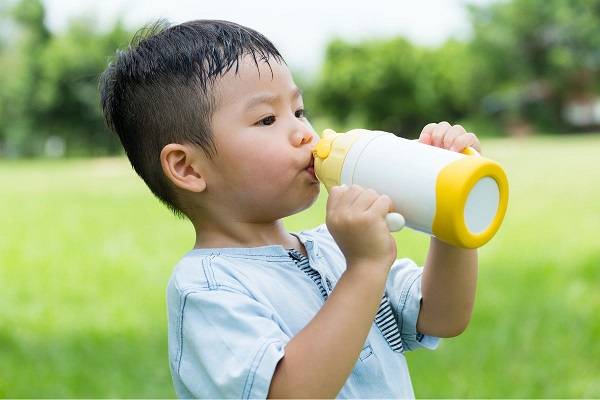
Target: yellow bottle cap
x,y
323,148
330,153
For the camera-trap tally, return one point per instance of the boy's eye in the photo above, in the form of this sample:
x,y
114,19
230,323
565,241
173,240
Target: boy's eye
x,y
270,120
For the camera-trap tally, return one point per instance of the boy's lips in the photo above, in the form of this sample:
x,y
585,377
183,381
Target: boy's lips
x,y
311,167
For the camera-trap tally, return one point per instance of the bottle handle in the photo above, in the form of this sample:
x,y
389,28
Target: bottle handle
x,y
394,221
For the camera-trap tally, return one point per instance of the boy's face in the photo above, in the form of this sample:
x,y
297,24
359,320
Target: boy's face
x,y
263,145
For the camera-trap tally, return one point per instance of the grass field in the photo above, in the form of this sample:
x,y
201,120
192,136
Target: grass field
x,y
85,254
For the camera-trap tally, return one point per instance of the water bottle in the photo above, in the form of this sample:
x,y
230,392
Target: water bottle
x,y
460,198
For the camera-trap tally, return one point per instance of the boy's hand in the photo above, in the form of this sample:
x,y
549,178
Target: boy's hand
x,y
356,220
450,137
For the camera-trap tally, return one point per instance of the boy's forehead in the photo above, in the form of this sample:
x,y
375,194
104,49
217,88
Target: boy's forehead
x,y
252,78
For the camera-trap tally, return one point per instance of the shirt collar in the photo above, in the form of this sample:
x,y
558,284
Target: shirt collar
x,y
269,250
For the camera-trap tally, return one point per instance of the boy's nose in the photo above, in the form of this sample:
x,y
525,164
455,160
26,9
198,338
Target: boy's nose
x,y
305,136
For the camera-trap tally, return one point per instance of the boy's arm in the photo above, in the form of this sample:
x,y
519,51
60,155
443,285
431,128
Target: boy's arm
x,y
319,359
448,290
450,273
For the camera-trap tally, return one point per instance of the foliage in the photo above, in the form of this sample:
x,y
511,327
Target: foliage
x,y
525,40
526,60
50,88
393,85
538,55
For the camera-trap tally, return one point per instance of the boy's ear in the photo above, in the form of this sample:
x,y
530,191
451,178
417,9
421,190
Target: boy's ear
x,y
180,164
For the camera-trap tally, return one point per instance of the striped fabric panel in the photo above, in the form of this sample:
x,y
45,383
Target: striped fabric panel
x,y
302,263
387,324
384,319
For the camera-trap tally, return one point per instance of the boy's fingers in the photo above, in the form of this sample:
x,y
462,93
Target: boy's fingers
x,y
466,140
343,196
460,143
382,206
476,143
428,128
353,192
438,133
452,133
335,196
364,200
425,136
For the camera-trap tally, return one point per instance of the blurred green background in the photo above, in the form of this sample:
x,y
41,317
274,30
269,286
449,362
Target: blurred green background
x,y
86,251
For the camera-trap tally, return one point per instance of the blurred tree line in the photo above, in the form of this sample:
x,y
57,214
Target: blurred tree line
x,y
49,101
529,65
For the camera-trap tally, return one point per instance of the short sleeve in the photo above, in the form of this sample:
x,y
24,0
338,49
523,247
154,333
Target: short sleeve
x,y
403,288
229,346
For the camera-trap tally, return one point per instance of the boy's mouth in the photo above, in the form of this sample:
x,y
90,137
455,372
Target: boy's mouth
x,y
311,167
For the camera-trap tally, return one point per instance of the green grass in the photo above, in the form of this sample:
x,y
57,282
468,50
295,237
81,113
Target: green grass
x,y
85,254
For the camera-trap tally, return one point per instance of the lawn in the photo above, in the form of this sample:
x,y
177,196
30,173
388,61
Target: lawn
x,y
86,251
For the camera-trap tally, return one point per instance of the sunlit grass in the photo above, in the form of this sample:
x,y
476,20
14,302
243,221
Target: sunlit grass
x,y
86,251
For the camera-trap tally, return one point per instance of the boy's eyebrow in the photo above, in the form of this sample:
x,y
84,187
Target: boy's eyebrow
x,y
271,98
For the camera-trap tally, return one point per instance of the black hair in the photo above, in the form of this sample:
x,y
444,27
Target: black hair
x,y
159,90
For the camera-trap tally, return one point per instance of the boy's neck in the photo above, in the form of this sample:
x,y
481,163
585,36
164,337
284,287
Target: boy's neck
x,y
243,234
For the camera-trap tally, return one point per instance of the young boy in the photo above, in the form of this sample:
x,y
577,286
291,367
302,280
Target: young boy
x,y
212,121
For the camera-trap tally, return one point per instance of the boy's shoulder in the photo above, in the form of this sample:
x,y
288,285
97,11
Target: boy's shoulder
x,y
199,270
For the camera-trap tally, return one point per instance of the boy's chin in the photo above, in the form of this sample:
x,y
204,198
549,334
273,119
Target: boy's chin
x,y
313,199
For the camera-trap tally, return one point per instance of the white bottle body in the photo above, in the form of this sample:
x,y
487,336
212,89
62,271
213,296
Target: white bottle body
x,y
405,170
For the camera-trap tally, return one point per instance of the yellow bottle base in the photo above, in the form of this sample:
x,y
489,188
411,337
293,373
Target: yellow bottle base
x,y
453,185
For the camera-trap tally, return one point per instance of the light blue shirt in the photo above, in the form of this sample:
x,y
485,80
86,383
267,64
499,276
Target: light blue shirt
x,y
232,310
